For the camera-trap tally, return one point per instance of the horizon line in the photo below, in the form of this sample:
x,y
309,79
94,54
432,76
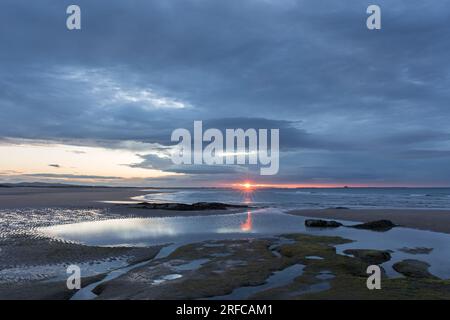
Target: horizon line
x,y
222,186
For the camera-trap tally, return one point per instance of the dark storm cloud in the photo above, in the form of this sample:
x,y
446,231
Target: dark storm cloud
x,y
139,69
151,161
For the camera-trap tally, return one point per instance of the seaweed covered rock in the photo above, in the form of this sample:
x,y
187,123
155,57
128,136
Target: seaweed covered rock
x,y
378,225
198,206
413,269
370,256
416,250
317,223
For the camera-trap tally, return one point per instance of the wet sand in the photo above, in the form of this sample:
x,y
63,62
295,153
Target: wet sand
x,y
35,268
90,198
31,265
432,220
81,197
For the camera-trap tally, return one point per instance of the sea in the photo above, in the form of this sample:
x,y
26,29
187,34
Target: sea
x,y
310,198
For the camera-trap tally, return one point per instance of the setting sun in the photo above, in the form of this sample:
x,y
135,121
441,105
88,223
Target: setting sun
x,y
246,186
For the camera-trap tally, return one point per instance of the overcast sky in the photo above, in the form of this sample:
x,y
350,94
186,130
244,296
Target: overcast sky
x,y
354,106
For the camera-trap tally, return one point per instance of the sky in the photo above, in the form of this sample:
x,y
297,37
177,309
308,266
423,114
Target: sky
x,y
98,105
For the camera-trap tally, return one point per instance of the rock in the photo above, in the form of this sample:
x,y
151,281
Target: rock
x,y
317,223
370,256
413,269
198,206
215,206
379,225
417,250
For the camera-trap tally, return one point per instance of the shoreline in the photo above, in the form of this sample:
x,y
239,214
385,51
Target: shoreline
x,y
34,267
37,198
421,219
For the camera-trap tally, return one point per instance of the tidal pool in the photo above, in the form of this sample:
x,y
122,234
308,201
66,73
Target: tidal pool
x,y
277,279
253,224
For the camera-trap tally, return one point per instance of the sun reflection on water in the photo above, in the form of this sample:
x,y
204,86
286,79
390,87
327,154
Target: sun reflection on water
x,y
247,224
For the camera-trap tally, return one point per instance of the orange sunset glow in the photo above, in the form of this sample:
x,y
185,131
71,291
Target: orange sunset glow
x,y
251,186
248,186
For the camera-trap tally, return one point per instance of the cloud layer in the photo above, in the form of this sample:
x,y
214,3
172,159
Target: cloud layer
x,y
353,105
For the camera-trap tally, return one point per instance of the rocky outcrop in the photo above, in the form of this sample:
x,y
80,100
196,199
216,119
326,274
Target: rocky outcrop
x,y
370,256
413,269
198,206
317,223
378,225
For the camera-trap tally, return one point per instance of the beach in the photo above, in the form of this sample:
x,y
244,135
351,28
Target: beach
x,y
64,197
235,253
106,198
423,219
